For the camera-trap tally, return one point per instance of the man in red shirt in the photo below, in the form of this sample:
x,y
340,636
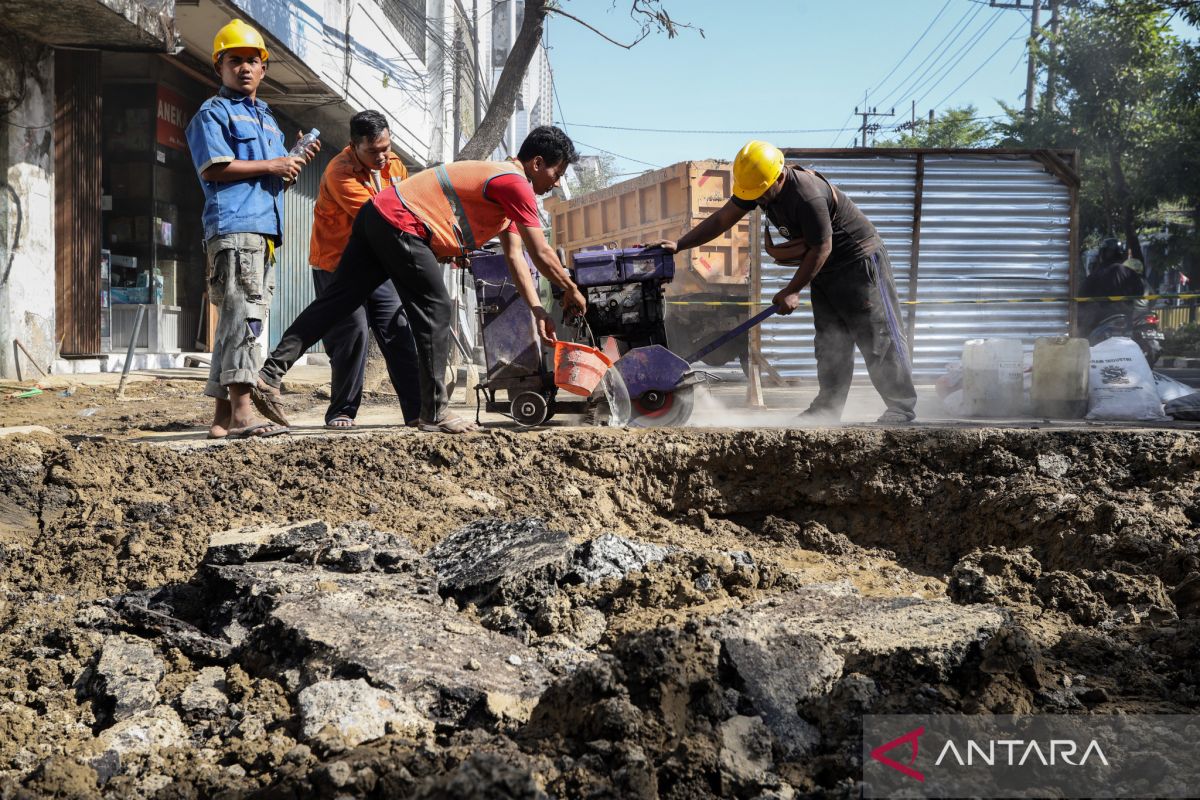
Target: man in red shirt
x,y
439,214
366,167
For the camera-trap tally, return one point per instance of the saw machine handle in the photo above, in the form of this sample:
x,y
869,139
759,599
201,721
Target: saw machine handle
x,y
725,337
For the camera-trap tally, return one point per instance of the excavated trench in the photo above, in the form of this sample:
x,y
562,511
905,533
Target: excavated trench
x,y
573,614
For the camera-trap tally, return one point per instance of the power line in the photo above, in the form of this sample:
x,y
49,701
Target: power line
x,y
617,155
883,82
984,64
920,38
965,51
743,131
904,88
554,88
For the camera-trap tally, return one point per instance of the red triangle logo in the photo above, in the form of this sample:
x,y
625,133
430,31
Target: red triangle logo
x,y
906,769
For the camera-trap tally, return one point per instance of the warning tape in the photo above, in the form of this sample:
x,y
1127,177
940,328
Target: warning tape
x,y
980,302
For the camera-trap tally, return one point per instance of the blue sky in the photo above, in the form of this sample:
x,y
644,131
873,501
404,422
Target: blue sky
x,y
791,66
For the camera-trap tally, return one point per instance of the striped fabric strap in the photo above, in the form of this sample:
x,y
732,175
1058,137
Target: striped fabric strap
x,y
465,235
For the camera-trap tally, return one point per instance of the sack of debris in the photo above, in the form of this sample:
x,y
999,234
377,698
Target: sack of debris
x,y
1120,383
954,404
950,381
1169,388
1186,407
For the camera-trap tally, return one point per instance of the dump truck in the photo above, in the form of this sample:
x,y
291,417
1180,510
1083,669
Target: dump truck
x,y
711,288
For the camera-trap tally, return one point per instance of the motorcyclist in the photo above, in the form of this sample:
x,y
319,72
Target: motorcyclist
x,y
1110,278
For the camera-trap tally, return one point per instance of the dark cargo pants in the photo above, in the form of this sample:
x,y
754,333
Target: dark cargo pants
x,y
346,345
376,252
856,304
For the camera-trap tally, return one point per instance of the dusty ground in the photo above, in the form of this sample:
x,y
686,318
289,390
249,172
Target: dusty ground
x,y
1082,540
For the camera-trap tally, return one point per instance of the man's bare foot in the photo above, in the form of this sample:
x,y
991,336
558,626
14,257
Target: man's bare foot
x,y
222,420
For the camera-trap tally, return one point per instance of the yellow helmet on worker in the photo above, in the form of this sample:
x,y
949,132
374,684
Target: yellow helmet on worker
x,y
755,168
238,34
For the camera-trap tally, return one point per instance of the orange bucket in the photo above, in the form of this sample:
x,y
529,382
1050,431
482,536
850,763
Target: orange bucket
x,y
578,368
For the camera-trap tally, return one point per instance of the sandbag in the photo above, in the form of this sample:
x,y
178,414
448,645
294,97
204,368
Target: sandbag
x,y
1186,407
1121,384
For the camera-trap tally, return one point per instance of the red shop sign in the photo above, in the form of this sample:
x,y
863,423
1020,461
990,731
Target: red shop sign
x,y
172,119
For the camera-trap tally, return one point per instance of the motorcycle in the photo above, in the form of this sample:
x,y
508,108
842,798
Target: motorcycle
x,y
1142,326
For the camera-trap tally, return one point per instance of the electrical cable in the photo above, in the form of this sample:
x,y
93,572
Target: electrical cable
x,y
884,81
742,131
904,88
984,64
729,131
617,155
920,38
965,51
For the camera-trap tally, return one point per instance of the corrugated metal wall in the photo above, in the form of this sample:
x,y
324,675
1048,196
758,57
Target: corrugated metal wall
x,y
293,275
77,191
992,227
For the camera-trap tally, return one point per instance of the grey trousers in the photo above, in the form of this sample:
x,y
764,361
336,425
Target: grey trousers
x,y
856,305
241,282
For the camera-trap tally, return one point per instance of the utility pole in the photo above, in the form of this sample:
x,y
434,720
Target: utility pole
x,y
1049,99
477,90
911,125
866,114
1035,9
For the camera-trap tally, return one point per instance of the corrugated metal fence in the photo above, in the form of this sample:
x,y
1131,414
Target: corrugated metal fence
x,y
293,274
989,227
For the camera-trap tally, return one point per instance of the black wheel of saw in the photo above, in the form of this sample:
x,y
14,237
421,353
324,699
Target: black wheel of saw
x,y
529,409
662,409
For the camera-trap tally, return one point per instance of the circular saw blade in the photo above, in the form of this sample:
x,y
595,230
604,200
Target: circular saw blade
x,y
676,410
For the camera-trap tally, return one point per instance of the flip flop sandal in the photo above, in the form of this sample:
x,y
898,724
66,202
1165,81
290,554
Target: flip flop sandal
x,y
448,425
253,432
266,401
340,423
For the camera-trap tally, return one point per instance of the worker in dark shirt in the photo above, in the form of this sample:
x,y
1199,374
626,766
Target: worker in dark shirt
x,y
1112,278
836,249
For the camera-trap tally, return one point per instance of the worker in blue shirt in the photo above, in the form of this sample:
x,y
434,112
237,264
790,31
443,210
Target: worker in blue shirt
x,y
239,153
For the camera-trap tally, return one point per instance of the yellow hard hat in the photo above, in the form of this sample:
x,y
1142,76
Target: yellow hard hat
x,y
755,168
238,34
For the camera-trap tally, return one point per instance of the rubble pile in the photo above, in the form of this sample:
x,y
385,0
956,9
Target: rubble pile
x,y
714,631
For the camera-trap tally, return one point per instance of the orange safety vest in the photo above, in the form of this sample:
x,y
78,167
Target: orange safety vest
x,y
450,200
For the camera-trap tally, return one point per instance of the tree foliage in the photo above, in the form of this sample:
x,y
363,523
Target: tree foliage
x,y
589,180
1125,97
954,128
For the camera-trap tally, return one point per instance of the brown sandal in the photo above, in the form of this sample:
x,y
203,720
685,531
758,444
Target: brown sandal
x,y
448,425
266,399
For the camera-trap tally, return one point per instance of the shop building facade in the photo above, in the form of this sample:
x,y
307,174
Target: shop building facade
x,y
99,202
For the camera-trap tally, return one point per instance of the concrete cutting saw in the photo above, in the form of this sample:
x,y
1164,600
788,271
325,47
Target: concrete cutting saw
x,y
625,312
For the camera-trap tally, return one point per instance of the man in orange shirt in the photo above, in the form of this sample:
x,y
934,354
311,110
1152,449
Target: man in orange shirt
x,y
358,173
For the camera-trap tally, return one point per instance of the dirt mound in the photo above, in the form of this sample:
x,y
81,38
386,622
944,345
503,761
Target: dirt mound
x,y
660,625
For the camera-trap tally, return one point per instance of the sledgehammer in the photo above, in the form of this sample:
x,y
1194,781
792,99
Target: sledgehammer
x,y
725,337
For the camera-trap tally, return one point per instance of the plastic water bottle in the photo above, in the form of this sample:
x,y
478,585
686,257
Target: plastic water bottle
x,y
299,147
305,140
